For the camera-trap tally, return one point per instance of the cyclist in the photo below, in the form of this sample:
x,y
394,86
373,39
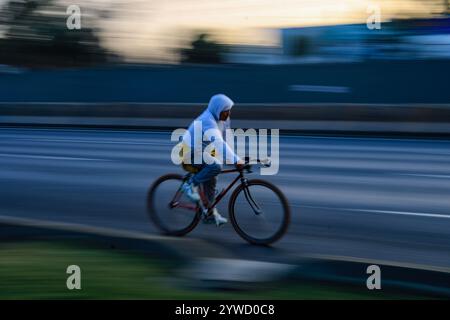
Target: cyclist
x,y
214,121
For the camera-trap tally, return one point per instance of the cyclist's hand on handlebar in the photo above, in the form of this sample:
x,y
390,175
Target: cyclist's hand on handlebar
x,y
240,165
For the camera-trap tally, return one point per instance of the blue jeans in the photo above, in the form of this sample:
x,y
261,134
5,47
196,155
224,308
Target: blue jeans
x,y
208,177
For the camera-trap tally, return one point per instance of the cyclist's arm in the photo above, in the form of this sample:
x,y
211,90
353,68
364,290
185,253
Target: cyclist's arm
x,y
216,136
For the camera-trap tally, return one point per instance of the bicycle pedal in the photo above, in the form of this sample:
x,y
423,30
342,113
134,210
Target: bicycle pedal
x,y
209,220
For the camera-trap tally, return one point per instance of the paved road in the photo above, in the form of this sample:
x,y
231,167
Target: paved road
x,y
370,198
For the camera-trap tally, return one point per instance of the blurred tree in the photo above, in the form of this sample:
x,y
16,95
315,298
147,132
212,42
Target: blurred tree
x,y
203,50
36,34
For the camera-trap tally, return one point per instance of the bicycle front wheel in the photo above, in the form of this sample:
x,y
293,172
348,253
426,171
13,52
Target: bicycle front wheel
x,y
259,212
169,208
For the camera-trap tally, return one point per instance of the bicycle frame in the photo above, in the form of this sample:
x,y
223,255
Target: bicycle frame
x,y
225,191
204,202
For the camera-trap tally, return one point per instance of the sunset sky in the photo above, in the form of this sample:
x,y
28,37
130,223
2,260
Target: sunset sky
x,y
142,28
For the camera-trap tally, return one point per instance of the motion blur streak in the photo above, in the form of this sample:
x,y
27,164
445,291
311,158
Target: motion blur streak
x,y
342,190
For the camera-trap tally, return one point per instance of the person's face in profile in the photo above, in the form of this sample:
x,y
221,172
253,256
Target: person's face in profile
x,y
224,115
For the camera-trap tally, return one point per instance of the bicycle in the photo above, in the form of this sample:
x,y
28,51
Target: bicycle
x,y
162,193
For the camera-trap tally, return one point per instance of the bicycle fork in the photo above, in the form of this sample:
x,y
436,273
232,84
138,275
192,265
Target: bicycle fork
x,y
256,209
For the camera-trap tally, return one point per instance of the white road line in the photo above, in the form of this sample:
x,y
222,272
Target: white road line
x,y
402,213
326,89
94,141
325,137
49,157
440,176
83,130
162,132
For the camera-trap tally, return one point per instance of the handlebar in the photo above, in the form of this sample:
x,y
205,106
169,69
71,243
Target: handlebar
x,y
249,162
248,165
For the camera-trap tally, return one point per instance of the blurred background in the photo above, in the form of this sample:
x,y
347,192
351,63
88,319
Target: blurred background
x,y
259,32
201,47
359,89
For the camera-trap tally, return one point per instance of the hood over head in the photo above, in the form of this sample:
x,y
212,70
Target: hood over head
x,y
218,104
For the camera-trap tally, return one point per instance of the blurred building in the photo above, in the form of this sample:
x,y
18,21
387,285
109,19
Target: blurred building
x,y
425,38
397,39
254,54
325,43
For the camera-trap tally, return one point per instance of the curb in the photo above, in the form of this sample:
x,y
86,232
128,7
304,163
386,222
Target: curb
x,y
177,249
395,276
419,119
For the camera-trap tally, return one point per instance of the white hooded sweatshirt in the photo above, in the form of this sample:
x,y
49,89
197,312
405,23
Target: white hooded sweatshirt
x,y
212,129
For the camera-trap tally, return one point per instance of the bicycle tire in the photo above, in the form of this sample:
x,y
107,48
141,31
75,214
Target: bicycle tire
x,y
154,216
286,213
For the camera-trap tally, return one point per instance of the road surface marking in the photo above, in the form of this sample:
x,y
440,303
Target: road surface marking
x,y
49,157
326,89
441,176
165,132
83,130
92,141
403,213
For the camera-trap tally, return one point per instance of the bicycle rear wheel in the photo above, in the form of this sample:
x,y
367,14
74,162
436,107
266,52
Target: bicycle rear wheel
x,y
169,209
259,212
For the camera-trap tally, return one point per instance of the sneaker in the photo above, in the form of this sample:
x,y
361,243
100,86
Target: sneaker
x,y
216,218
191,192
